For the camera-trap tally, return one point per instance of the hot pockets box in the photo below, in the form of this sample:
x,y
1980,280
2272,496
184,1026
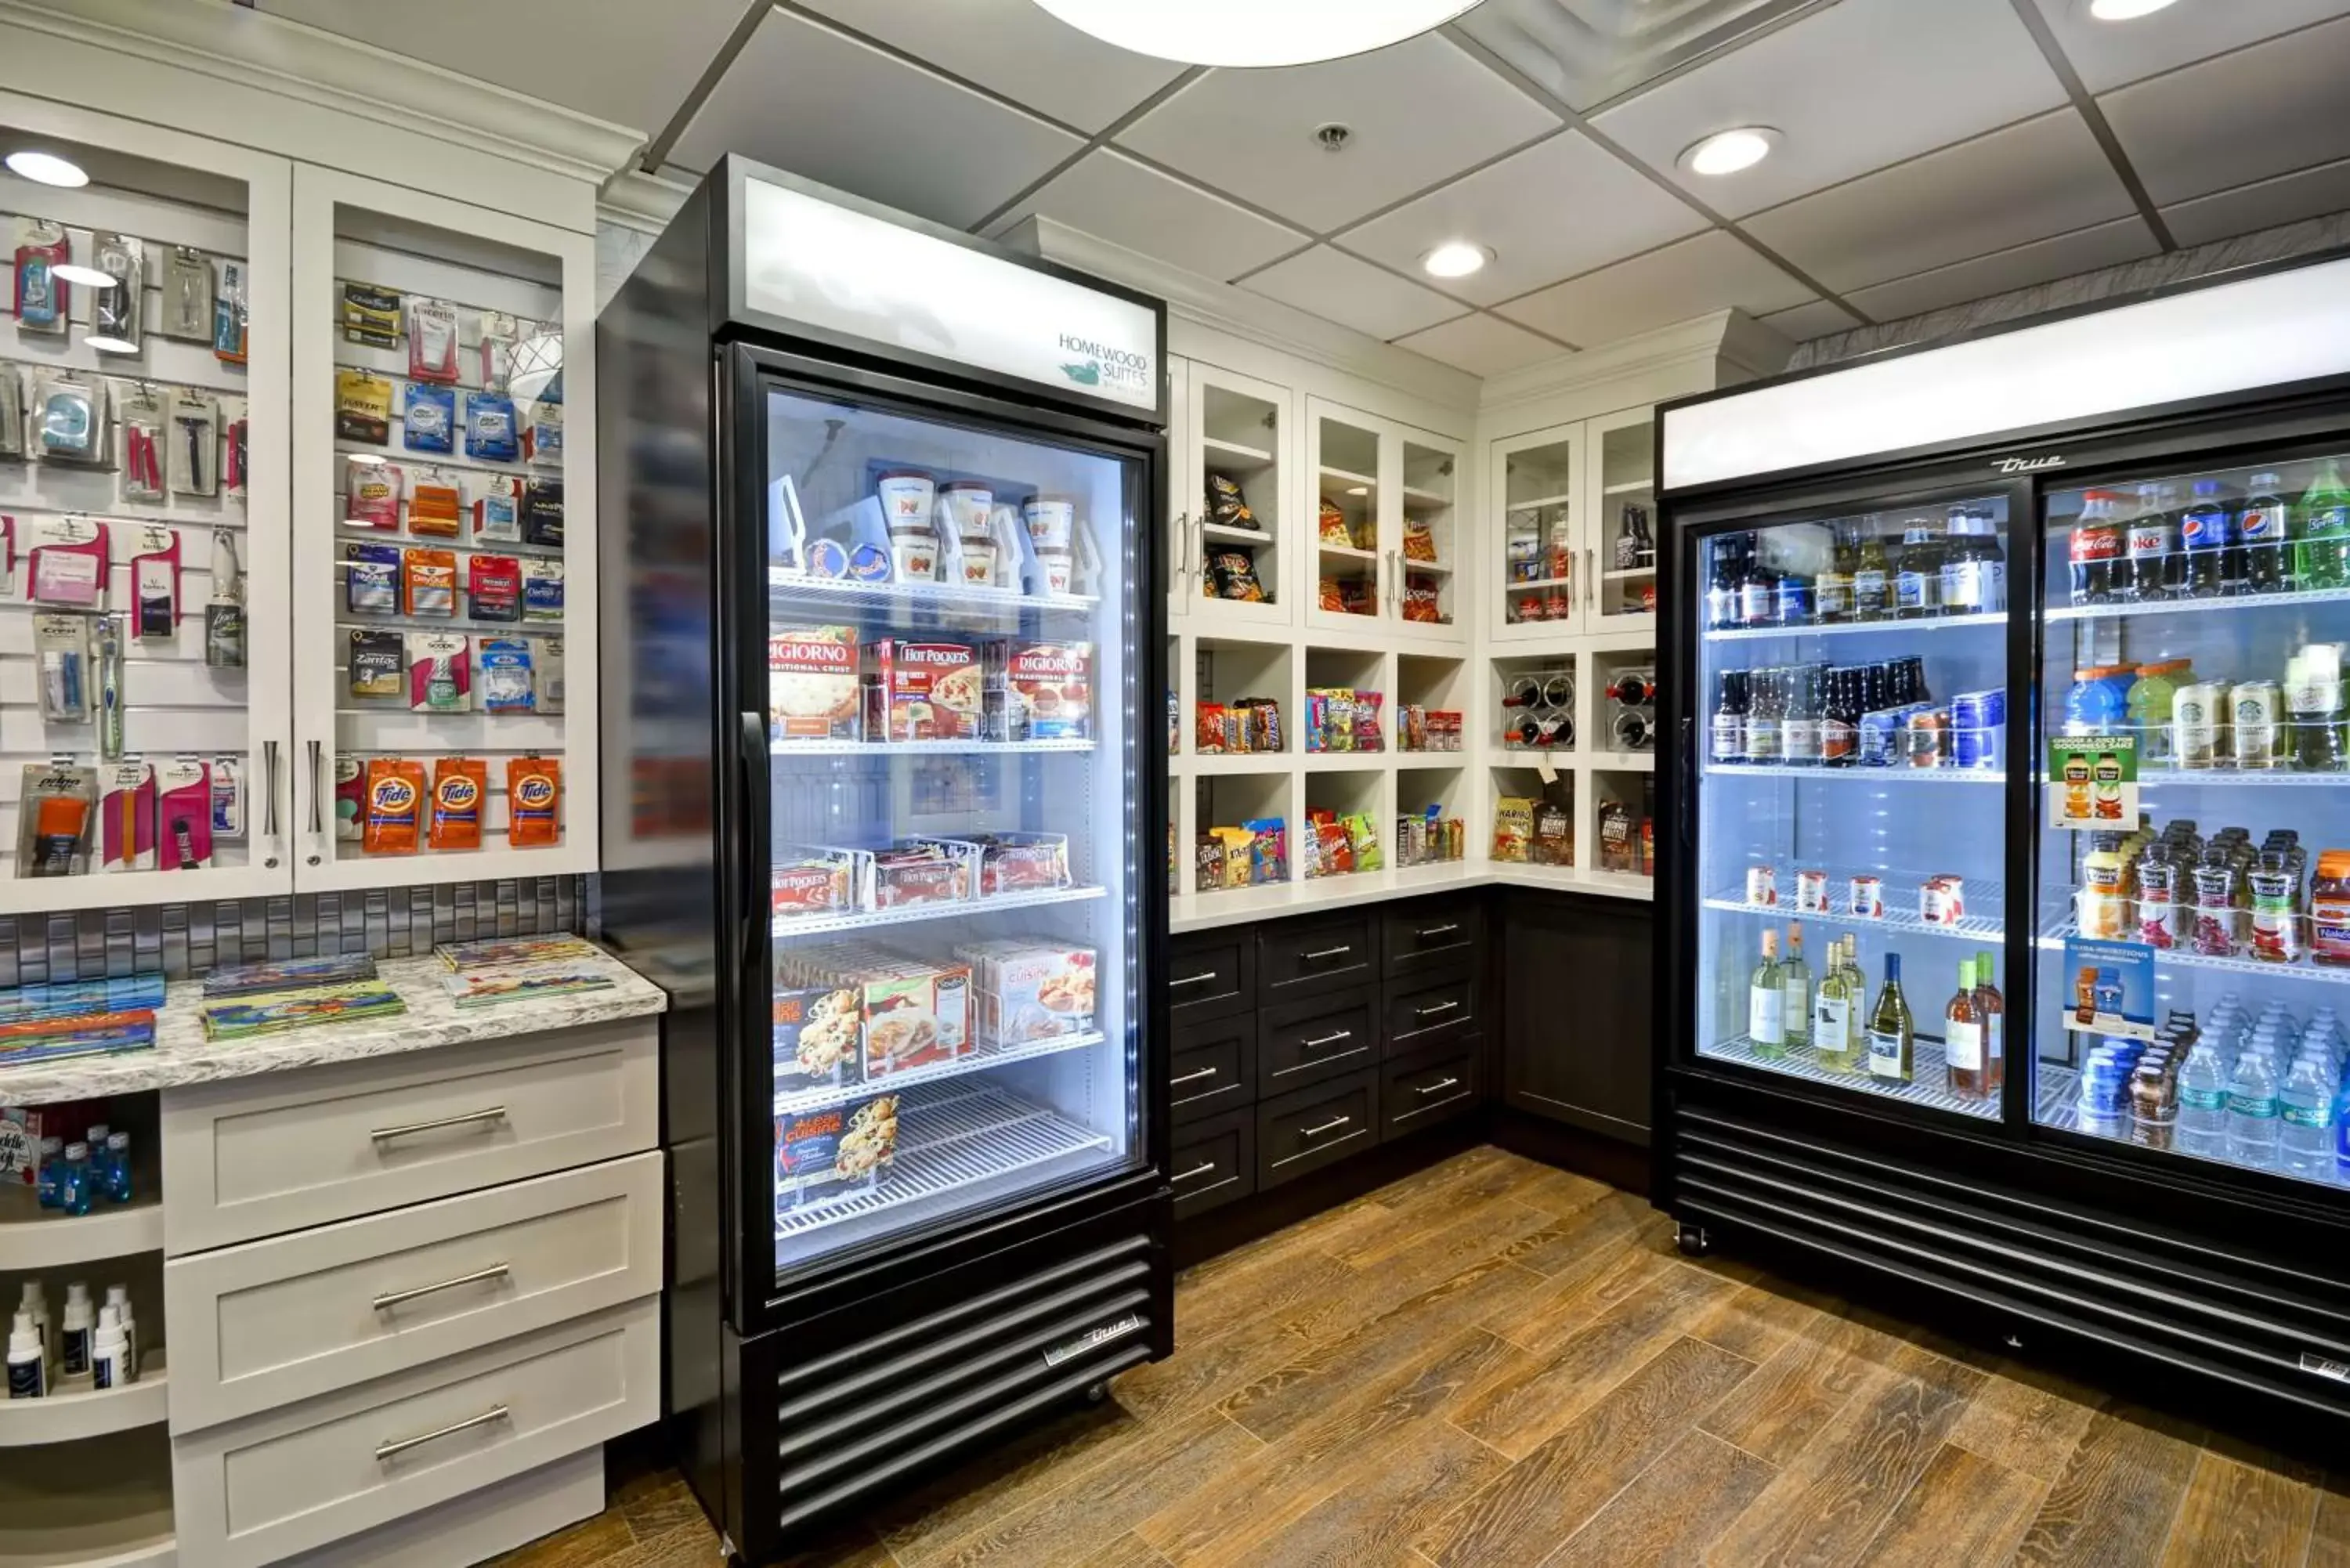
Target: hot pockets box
x,y
924,691
837,1145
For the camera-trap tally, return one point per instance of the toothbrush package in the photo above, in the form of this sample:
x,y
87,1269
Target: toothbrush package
x,y
125,817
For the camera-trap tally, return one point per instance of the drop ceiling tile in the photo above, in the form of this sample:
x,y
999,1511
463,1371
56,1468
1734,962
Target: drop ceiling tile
x,y
1853,87
1712,272
2107,54
1818,319
2266,111
2289,198
1586,51
1015,48
1132,204
633,66
1340,288
2030,181
2043,261
804,97
1560,207
1482,346
1421,112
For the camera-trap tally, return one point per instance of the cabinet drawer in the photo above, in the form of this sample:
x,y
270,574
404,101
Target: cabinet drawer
x,y
255,1492
1213,1067
1215,1162
1429,1011
1431,1087
1430,931
1310,957
1314,1038
269,1322
254,1157
1315,1127
1211,975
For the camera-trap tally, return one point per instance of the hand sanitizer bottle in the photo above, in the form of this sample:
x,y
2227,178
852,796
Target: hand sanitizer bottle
x,y
28,1370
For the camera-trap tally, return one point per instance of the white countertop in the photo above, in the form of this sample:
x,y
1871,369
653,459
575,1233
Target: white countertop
x,y
183,1055
1245,906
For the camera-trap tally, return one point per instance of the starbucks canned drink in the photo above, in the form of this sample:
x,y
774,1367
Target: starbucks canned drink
x,y
2255,712
1763,885
1867,899
2197,715
1811,892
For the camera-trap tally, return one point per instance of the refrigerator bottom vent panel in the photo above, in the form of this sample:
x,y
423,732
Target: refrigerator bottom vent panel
x,y
2021,1259
871,1417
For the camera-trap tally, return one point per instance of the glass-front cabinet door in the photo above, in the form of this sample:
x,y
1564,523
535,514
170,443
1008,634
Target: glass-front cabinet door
x,y
1621,549
1423,563
2194,856
1534,549
1233,430
952,697
1851,823
1348,533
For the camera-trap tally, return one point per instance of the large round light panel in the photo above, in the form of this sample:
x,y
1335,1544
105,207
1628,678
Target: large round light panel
x,y
1254,32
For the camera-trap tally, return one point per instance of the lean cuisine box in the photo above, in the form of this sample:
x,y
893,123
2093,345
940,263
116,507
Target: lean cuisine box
x,y
818,1031
1030,988
834,1146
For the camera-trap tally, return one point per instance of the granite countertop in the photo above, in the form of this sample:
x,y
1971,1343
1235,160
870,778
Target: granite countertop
x,y
183,1055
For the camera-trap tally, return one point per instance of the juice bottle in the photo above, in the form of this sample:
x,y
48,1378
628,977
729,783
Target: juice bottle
x,y
2103,911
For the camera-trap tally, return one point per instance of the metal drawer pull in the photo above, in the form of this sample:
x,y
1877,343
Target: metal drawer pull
x,y
1331,1126
1202,1169
1438,1088
1327,1040
1202,978
495,1271
1435,932
1192,1078
495,1114
1433,1012
401,1445
1328,953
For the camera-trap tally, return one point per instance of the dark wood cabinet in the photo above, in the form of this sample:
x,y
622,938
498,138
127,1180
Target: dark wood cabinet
x,y
1212,1066
1214,975
1577,1012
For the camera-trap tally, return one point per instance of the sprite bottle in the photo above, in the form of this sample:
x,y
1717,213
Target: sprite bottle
x,y
2321,551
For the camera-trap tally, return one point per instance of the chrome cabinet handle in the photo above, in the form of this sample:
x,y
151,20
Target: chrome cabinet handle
x,y
1182,561
1590,576
1191,1077
1433,1012
1202,1169
1327,953
1202,978
269,808
401,1445
391,1299
1435,932
384,1135
316,827
1331,1126
1438,1088
1317,1044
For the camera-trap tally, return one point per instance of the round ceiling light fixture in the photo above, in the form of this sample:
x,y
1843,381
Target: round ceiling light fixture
x,y
87,277
1727,151
1254,32
1455,258
2125,10
46,168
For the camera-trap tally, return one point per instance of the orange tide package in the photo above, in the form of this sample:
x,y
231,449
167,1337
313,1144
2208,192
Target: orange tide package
x,y
460,785
533,791
395,806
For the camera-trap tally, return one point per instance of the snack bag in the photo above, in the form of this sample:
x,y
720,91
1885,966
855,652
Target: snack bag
x,y
1234,573
1418,540
533,791
1332,524
395,803
1514,828
460,785
1225,506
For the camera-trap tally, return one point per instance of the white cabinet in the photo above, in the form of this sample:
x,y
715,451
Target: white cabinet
x,y
1388,533
1572,529
1241,563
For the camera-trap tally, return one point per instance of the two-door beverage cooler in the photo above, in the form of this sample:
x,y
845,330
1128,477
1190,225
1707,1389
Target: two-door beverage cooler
x,y
2005,957
882,647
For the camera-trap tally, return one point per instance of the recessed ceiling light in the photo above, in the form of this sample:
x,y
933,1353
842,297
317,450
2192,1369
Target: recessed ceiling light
x,y
2124,10
1455,258
45,167
87,277
111,345
1727,151
1254,32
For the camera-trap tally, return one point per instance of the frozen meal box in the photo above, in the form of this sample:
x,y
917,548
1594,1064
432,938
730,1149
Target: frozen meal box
x,y
1030,988
812,690
913,1019
1022,862
807,879
816,1030
1048,688
924,691
923,871
834,1146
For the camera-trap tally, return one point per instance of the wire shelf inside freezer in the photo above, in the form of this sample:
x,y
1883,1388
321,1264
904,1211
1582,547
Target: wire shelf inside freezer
x,y
808,925
797,1100
1896,775
2233,604
950,1137
1842,628
1930,1086
2301,968
1987,897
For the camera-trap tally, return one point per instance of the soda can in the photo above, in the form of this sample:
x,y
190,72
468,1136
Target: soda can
x,y
2254,710
1942,901
1928,734
1811,892
1867,899
1763,885
1978,728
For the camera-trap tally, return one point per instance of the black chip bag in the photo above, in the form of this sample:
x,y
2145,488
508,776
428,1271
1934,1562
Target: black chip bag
x,y
1233,571
1227,508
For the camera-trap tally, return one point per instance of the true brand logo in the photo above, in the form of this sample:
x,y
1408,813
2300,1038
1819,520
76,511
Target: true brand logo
x,y
2026,464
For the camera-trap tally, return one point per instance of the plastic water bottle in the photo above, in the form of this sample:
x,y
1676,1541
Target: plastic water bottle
x,y
2203,1104
2252,1111
2342,1130
2305,1119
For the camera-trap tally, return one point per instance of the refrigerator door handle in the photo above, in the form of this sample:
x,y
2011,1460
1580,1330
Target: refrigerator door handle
x,y
1688,783
752,762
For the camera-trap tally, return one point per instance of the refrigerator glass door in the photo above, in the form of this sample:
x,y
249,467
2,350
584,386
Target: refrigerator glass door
x,y
1851,824
952,688
2194,929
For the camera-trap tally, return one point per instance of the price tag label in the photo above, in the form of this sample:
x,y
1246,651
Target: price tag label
x,y
1544,772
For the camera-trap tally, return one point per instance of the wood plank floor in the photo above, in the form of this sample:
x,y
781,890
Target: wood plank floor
x,y
1493,1364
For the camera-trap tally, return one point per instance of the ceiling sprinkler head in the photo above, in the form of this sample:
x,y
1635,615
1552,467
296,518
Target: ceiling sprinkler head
x,y
1333,137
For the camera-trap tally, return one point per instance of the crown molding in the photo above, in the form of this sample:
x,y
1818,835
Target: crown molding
x,y
633,199
1727,335
1225,309
288,59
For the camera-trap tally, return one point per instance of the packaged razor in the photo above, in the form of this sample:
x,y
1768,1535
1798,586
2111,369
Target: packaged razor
x,y
195,445
144,415
12,414
490,427
183,831
505,676
497,350
70,560
431,341
125,817
61,647
371,490
57,809
542,590
549,657
371,579
440,672
155,585
69,419
436,505
230,311
370,315
228,797
498,512
233,467
114,312
542,512
377,664
225,611
362,407
106,656
542,439
428,418
41,300
187,312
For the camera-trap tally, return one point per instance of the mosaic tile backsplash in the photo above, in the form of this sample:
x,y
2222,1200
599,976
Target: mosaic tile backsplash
x,y
186,939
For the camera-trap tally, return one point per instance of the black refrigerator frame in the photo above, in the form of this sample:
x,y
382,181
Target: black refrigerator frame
x,y
971,1324
2191,1284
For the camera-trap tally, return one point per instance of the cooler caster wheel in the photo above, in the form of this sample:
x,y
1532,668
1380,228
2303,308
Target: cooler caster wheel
x,y
1693,1241
1098,1392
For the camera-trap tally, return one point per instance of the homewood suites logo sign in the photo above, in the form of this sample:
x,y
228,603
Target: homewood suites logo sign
x,y
1099,365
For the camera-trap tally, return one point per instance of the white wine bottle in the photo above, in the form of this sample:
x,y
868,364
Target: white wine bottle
x,y
1766,1023
1795,991
1892,1036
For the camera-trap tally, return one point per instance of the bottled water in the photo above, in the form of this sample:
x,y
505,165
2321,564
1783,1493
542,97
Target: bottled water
x,y
2252,1111
2203,1104
2305,1118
